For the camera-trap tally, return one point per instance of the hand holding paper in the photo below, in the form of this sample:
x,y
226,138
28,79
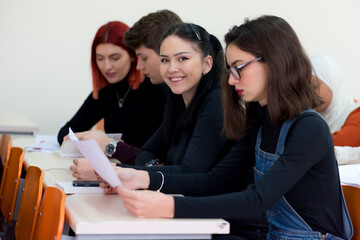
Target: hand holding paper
x,y
92,152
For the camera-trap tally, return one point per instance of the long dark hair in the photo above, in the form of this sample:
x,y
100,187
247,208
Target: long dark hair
x,y
289,73
178,116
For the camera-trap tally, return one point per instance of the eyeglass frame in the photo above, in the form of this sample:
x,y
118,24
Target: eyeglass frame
x,y
235,70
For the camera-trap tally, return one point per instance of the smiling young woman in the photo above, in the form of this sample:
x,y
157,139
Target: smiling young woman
x,y
190,139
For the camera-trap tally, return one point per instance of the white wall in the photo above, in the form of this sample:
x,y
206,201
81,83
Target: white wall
x,y
45,44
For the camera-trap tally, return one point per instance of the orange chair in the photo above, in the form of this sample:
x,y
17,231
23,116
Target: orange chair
x,y
29,204
6,141
5,145
50,222
352,199
10,184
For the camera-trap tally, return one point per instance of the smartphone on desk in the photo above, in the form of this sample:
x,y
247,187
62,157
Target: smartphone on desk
x,y
77,183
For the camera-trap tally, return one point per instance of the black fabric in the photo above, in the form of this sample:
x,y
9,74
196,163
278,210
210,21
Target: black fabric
x,y
306,173
199,147
141,114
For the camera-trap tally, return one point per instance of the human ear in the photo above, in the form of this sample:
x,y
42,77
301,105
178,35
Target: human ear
x,y
207,65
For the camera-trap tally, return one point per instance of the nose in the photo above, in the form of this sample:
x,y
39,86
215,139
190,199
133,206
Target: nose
x,y
232,80
108,64
172,67
140,65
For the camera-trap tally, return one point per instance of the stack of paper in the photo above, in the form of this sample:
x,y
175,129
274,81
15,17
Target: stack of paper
x,y
44,143
350,174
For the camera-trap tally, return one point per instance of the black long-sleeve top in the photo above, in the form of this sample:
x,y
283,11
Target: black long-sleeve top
x,y
199,148
306,174
141,114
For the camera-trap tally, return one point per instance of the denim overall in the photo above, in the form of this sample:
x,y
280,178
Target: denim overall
x,y
284,222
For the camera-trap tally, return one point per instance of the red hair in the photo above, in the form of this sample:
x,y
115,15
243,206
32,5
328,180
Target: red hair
x,y
113,32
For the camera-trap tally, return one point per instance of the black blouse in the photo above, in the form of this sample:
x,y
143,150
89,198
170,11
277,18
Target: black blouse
x,y
199,147
141,114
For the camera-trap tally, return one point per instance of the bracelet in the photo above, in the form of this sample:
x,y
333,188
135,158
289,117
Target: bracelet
x,y
162,181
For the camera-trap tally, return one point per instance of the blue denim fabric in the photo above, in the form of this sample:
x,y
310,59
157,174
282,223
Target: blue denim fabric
x,y
284,222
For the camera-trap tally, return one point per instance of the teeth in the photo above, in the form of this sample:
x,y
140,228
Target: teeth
x,y
175,79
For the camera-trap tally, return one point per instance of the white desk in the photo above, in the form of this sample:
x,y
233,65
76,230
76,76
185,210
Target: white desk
x,y
99,216
15,122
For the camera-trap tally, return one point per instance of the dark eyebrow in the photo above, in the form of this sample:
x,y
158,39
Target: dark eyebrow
x,y
235,62
176,54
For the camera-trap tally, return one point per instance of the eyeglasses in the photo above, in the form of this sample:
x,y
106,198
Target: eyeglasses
x,y
235,70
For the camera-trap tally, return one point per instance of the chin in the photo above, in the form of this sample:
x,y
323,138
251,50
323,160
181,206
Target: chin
x,y
156,81
176,91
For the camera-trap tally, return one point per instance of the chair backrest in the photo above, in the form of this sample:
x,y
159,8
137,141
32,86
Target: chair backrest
x,y
5,146
10,183
6,141
29,204
51,217
352,199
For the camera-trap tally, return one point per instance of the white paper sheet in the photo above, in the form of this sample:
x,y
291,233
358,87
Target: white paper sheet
x,y
350,174
68,149
101,164
68,188
44,143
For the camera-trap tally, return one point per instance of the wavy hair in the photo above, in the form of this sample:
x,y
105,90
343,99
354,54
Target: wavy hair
x,y
289,73
149,29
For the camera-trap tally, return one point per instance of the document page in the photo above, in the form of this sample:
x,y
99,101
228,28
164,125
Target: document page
x,y
44,143
101,164
350,174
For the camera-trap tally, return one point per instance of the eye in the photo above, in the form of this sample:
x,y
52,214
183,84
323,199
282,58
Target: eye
x,y
181,59
164,60
115,57
144,59
98,58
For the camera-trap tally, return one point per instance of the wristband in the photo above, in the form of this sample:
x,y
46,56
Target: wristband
x,y
162,181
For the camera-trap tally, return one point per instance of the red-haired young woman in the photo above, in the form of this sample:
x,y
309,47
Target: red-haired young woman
x,y
128,104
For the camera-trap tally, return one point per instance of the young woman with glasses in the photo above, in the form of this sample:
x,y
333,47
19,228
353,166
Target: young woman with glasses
x,y
267,107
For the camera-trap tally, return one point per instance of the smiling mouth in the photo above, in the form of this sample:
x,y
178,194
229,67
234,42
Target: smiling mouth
x,y
176,79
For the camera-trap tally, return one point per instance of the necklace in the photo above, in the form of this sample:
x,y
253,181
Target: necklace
x,y
123,98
